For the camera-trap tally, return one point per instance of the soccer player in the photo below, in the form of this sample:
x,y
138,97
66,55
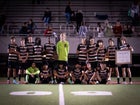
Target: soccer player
x,y
12,59
77,74
102,73
45,75
126,46
111,50
32,74
101,51
61,73
90,74
30,48
49,53
38,49
62,48
23,57
82,53
92,53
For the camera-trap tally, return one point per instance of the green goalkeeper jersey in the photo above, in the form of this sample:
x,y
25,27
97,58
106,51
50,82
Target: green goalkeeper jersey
x,y
62,50
32,70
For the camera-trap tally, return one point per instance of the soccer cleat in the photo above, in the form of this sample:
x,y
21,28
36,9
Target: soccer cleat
x,y
124,82
131,82
15,82
8,81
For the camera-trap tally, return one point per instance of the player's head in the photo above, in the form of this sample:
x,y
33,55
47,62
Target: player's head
x,y
123,40
30,38
83,40
77,65
63,36
111,42
45,67
102,65
88,65
33,65
12,39
92,40
22,42
100,43
37,41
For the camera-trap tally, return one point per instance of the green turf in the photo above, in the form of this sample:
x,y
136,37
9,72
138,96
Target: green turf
x,y
121,95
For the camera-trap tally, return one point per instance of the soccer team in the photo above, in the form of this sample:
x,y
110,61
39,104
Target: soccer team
x,y
49,63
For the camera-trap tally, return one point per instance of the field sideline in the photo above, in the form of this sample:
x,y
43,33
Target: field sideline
x,y
38,94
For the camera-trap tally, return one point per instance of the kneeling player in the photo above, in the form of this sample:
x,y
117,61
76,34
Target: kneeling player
x,y
77,74
61,73
45,75
103,73
89,75
32,74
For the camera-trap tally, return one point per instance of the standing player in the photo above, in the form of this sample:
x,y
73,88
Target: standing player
x,y
30,48
23,57
101,51
92,53
126,46
49,53
62,49
111,50
12,60
82,53
38,49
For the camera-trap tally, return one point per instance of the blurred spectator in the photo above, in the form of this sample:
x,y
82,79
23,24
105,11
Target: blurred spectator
x,y
128,30
47,16
133,12
24,29
73,16
100,30
2,21
68,12
83,30
48,31
31,26
108,29
79,19
117,29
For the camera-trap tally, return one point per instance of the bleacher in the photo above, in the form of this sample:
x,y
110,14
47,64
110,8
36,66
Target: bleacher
x,y
18,12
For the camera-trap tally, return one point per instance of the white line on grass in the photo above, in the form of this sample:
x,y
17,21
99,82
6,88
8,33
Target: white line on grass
x,y
61,95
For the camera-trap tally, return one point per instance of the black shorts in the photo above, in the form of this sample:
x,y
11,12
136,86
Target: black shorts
x,y
77,81
12,65
22,66
59,80
126,66
111,64
103,81
45,80
93,64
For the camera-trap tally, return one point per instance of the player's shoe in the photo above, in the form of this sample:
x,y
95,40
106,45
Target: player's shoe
x,y
8,81
15,82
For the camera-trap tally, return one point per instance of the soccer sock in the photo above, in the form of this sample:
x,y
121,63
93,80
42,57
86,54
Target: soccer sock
x,y
123,79
8,78
14,78
24,76
19,77
130,79
118,80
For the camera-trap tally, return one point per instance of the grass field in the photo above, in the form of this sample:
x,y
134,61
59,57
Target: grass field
x,y
62,94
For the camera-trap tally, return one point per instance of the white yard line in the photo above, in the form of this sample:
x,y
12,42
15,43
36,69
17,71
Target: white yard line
x,y
61,95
